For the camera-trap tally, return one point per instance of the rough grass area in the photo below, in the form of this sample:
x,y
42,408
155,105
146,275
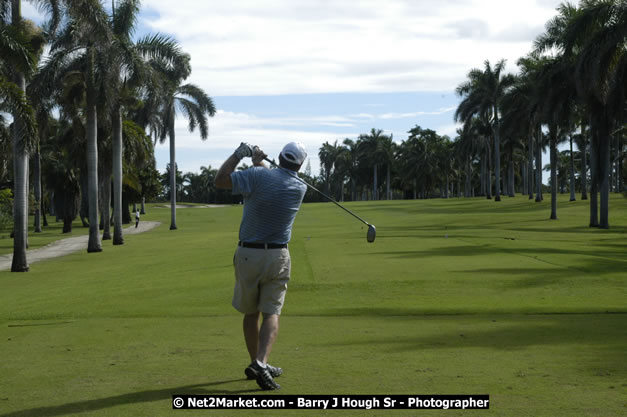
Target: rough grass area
x,y
454,297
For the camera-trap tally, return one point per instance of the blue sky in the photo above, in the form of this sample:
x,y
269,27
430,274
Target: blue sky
x,y
324,70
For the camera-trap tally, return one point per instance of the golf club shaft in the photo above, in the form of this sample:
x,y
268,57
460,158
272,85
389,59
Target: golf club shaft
x,y
319,192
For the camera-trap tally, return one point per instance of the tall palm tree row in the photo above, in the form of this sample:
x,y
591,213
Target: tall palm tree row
x,y
21,46
482,94
589,40
96,78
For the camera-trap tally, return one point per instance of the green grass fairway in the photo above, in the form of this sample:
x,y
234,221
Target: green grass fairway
x,y
454,297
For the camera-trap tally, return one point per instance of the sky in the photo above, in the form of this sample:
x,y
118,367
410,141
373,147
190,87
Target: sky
x,y
318,71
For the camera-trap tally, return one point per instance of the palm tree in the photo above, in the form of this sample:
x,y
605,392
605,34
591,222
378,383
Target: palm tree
x,y
350,155
81,47
410,156
388,153
557,109
482,94
592,39
423,153
465,149
372,150
128,71
188,99
20,44
61,167
581,141
328,154
520,115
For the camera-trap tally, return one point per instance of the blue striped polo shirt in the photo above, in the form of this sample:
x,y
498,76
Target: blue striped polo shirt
x,y
272,198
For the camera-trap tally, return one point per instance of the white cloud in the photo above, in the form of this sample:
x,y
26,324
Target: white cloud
x,y
449,130
228,129
250,47
416,114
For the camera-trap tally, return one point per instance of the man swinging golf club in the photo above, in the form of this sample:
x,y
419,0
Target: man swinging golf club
x,y
272,198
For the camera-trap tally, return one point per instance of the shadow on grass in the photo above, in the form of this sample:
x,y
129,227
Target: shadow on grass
x,y
86,406
416,313
615,256
591,274
604,333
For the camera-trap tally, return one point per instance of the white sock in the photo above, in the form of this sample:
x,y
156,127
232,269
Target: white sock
x,y
263,365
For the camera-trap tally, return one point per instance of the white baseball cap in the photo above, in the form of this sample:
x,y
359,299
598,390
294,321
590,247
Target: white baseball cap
x,y
294,152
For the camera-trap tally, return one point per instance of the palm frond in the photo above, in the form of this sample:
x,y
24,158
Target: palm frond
x,y
16,49
195,116
5,11
205,103
91,21
52,8
15,102
125,18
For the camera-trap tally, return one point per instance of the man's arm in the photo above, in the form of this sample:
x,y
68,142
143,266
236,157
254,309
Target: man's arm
x,y
223,177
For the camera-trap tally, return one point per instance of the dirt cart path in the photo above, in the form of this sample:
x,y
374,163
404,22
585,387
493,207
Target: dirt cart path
x,y
66,246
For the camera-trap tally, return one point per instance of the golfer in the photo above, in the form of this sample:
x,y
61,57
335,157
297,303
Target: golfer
x,y
136,218
272,198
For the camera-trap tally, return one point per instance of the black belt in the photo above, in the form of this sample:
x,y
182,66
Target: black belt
x,y
263,245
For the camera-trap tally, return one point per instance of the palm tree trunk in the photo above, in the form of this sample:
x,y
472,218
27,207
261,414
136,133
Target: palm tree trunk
x,y
84,208
488,184
504,182
459,186
497,157
43,214
467,185
20,196
511,185
172,176
553,145
37,190
106,205
116,121
327,182
618,187
92,158
621,173
353,193
447,183
572,171
374,189
539,166
523,175
143,210
483,174
594,181
604,181
530,166
387,183
584,164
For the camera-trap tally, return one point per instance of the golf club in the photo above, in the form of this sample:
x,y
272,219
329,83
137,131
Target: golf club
x,y
372,231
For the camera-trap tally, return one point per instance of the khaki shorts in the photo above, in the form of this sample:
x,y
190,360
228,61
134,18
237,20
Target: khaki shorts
x,y
261,277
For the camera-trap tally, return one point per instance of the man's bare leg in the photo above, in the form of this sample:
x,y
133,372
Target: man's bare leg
x,y
251,334
267,336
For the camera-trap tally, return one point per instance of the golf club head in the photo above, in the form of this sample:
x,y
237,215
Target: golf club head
x,y
372,233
